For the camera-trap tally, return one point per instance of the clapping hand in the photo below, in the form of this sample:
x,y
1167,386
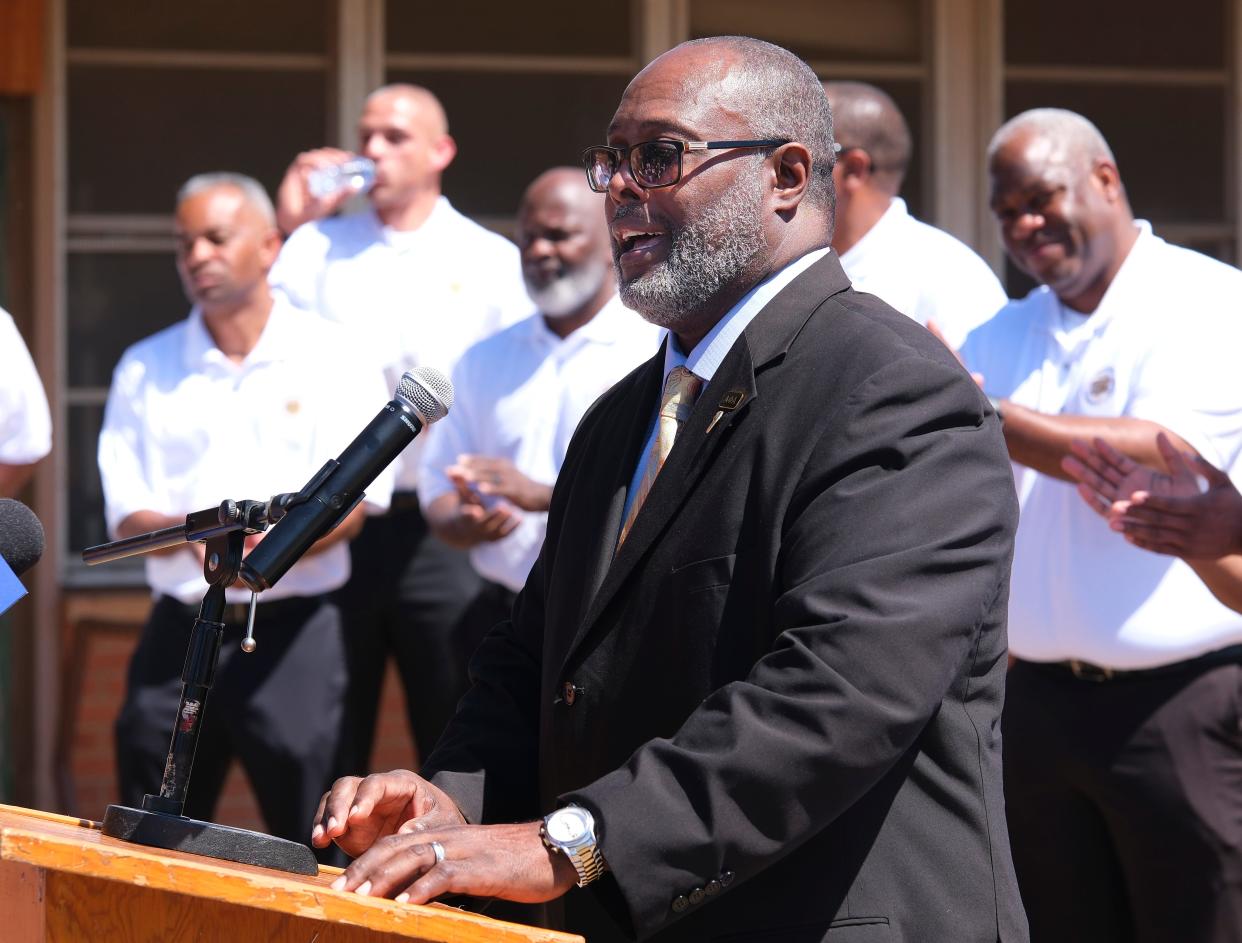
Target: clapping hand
x,y
1170,513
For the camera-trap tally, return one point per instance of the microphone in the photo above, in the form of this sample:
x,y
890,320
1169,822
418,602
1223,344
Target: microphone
x,y
21,545
422,397
21,536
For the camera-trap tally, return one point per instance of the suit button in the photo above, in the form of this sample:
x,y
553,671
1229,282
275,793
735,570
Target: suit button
x,y
680,903
726,878
713,887
697,895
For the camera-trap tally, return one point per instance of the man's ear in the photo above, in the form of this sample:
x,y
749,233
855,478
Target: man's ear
x,y
1108,179
855,164
791,175
442,152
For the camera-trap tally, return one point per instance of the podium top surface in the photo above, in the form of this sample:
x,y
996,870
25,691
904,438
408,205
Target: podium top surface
x,y
63,843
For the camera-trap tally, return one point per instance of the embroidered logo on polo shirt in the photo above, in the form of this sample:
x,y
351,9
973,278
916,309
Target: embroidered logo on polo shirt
x,y
1101,386
293,407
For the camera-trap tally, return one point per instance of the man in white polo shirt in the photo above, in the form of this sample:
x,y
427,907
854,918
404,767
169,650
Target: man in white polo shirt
x,y
245,398
418,283
1122,744
487,474
25,423
922,271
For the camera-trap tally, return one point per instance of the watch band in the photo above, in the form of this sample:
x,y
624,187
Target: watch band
x,y
588,862
585,856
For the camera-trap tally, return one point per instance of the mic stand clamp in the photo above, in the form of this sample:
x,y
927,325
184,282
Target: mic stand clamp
x,y
160,823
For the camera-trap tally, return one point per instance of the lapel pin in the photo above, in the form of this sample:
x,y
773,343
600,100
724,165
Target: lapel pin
x,y
729,402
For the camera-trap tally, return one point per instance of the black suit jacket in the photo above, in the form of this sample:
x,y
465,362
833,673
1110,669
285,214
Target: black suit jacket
x,y
781,697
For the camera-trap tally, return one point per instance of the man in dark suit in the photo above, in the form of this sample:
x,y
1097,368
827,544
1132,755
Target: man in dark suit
x,y
755,696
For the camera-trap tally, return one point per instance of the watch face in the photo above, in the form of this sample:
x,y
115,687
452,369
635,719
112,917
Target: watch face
x,y
567,825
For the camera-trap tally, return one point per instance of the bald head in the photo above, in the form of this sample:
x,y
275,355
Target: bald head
x,y
867,118
1065,132
567,187
775,93
413,99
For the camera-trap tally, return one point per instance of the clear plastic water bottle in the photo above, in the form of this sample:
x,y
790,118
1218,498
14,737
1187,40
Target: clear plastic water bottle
x,y
356,174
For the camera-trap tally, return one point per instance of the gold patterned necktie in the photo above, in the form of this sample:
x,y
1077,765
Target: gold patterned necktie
x,y
681,389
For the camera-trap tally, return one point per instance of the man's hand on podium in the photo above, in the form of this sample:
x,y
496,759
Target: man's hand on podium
x,y
411,843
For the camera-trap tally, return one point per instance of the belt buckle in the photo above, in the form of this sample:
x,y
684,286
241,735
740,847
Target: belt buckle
x,y
1085,671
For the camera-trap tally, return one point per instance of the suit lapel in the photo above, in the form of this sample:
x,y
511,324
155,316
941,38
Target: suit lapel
x,y
698,443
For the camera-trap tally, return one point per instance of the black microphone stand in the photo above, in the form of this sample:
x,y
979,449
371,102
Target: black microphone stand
x,y
160,823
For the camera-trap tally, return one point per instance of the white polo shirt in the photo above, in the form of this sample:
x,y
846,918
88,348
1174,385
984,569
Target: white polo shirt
x,y
1163,345
417,298
185,428
527,390
25,422
924,273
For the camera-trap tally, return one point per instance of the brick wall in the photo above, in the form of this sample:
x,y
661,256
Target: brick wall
x,y
92,762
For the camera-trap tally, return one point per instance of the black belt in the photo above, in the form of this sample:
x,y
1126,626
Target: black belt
x,y
403,501
238,613
1086,671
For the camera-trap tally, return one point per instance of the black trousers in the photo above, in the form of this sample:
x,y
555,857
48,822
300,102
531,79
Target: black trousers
x,y
1124,802
277,710
410,596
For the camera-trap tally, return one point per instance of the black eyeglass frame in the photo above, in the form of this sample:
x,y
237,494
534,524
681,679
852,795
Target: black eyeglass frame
x,y
621,155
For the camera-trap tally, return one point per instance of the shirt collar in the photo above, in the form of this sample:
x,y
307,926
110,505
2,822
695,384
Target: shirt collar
x,y
200,351
709,353
894,216
1071,329
414,240
601,329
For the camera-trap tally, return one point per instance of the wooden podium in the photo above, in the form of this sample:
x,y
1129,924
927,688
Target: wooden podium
x,y
62,880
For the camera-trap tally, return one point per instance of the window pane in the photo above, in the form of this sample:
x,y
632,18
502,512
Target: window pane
x,y
86,520
846,30
1140,33
115,299
559,28
1190,120
500,150
233,25
135,135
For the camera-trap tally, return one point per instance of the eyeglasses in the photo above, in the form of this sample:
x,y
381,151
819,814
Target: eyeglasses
x,y
653,164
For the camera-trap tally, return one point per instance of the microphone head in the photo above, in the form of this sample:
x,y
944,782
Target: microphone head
x,y
21,536
428,392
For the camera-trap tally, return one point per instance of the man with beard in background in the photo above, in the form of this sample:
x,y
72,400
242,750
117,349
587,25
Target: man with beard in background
x,y
487,474
752,685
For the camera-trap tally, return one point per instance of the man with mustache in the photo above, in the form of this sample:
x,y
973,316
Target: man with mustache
x,y
1122,745
920,270
751,688
487,474
235,401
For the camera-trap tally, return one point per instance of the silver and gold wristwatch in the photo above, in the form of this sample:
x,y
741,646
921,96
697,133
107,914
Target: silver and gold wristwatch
x,y
571,831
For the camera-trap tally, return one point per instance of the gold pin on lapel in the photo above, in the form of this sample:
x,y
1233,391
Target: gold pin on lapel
x,y
729,402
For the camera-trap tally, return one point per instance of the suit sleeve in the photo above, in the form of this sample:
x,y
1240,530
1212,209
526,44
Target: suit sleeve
x,y
895,548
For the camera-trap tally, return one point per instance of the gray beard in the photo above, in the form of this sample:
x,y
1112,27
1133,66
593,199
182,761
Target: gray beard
x,y
571,291
706,256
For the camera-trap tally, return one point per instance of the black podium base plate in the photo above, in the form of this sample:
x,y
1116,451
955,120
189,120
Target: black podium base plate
x,y
177,833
